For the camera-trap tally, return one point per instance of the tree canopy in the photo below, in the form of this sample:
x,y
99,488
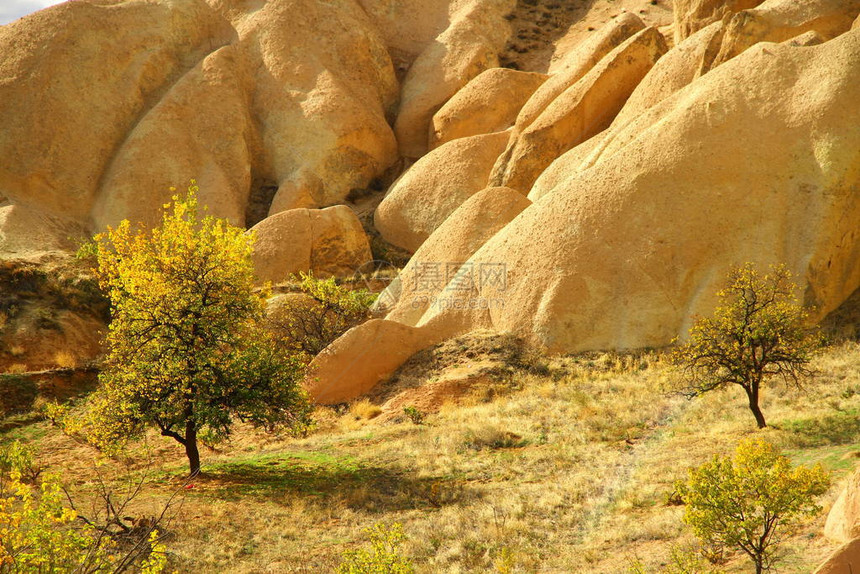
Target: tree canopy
x,y
186,349
758,331
746,501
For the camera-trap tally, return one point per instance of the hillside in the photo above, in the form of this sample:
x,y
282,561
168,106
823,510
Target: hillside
x,y
567,464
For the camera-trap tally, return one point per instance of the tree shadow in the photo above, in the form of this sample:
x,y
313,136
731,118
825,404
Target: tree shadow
x,y
278,478
830,430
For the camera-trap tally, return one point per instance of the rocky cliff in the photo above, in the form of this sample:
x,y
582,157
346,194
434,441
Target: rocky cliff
x,y
580,174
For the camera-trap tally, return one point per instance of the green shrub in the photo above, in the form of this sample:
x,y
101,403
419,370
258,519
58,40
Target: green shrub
x,y
747,501
415,415
308,325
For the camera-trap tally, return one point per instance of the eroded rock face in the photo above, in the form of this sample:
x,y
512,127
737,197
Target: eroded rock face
x,y
107,104
622,253
423,198
577,63
452,244
469,45
327,242
489,103
579,112
781,20
693,15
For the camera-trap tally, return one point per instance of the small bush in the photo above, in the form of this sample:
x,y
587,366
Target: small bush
x,y
364,409
383,557
40,533
415,415
20,459
65,360
308,325
747,501
491,438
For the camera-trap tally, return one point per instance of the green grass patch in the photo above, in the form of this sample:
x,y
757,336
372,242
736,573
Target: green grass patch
x,y
834,429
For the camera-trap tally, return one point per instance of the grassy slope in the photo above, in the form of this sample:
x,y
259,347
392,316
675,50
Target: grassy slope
x,y
570,471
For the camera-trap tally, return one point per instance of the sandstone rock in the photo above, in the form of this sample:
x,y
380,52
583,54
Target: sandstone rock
x,y
856,23
489,103
327,242
324,86
581,111
25,230
843,521
845,560
204,122
453,243
622,253
680,66
75,78
693,15
409,26
294,93
781,20
470,45
423,198
577,63
361,358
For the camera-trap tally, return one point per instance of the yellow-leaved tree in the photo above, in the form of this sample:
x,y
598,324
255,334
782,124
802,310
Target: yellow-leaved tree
x,y
187,351
749,501
758,332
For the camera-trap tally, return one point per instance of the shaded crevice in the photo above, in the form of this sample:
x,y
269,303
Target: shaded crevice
x,y
844,322
260,197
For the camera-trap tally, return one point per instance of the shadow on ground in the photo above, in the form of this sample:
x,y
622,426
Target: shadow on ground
x,y
326,477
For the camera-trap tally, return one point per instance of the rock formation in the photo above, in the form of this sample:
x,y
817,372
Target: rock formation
x,y
489,103
635,174
326,242
435,186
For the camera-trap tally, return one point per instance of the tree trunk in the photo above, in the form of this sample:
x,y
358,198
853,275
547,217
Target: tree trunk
x,y
191,448
752,394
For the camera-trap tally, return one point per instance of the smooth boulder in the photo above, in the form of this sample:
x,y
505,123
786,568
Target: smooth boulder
x,y
434,187
489,103
326,242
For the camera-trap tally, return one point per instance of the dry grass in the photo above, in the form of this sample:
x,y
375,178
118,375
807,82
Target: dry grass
x,y
364,410
65,360
571,473
17,369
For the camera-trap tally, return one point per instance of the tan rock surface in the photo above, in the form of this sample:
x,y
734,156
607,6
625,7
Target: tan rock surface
x,y
204,122
845,560
327,242
470,45
693,15
680,66
577,63
581,111
361,358
624,252
68,98
843,520
423,198
323,87
453,243
489,103
295,94
781,20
